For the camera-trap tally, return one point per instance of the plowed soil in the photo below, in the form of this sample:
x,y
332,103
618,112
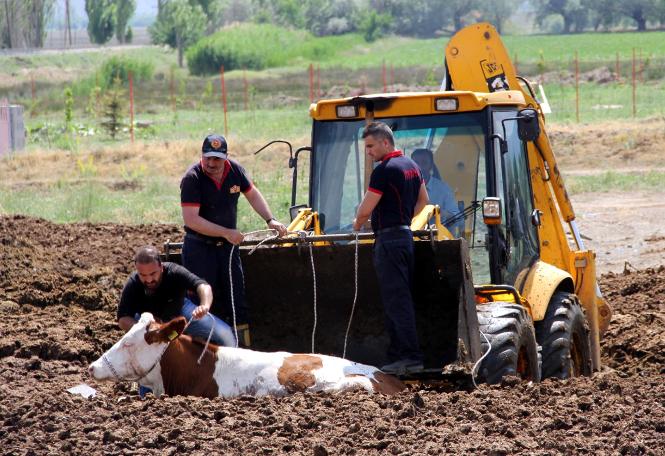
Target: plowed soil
x,y
59,286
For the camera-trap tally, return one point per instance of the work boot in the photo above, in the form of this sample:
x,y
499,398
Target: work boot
x,y
403,366
243,336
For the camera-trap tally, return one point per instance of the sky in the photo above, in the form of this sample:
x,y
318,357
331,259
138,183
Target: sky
x,y
146,11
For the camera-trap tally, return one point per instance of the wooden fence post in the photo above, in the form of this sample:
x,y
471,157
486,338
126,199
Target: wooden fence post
x,y
634,87
245,89
577,88
131,106
226,123
311,83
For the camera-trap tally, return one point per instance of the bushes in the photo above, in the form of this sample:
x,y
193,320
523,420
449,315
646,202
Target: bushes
x,y
120,66
257,46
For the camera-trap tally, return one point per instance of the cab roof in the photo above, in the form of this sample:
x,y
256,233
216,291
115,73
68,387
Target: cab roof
x,y
413,103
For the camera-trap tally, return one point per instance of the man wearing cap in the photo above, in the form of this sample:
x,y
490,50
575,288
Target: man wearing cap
x,y
396,192
209,193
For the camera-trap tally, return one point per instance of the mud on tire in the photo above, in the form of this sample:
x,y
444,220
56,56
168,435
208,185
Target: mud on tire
x,y
564,337
513,343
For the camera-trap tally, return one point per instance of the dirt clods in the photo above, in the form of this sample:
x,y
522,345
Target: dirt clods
x,y
59,286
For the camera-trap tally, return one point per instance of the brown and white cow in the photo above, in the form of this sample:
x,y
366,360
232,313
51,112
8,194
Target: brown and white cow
x,y
160,357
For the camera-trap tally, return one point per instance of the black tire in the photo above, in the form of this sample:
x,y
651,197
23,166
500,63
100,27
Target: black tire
x,y
564,337
514,351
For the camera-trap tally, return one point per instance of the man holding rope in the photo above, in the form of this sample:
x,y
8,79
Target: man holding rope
x,y
395,193
209,193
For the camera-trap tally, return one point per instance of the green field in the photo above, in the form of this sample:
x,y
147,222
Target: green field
x,y
278,109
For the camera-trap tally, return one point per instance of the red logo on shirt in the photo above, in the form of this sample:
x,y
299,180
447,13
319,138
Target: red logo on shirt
x,y
234,189
411,174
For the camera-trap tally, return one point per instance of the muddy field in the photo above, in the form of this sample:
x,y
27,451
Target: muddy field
x,y
59,286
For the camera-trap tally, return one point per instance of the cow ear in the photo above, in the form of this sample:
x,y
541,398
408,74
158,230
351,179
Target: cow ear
x,y
165,332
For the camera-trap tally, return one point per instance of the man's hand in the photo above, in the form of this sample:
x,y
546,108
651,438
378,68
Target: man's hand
x,y
235,237
200,312
277,226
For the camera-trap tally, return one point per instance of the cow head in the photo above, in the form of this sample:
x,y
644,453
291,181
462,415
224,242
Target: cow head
x,y
138,351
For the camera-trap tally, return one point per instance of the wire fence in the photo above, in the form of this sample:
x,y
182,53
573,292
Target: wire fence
x,y
576,91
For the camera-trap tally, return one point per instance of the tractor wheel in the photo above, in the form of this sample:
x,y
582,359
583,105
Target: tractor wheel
x,y
564,337
514,351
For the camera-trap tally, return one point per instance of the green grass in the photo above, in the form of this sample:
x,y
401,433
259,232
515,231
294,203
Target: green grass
x,y
157,201
85,60
288,124
259,46
616,181
601,102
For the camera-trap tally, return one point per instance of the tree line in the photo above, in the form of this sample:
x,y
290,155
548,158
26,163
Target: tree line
x,y
179,23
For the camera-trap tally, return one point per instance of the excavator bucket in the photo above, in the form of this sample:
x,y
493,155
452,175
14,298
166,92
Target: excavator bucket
x,y
302,301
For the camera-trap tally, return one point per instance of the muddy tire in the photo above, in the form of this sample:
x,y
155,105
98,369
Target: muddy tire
x,y
514,351
564,337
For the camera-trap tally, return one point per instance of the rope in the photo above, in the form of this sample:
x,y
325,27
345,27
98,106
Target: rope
x,y
268,238
355,297
233,301
205,347
311,257
475,366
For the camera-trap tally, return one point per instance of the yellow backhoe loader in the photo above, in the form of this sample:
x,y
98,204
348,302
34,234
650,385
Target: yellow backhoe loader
x,y
498,285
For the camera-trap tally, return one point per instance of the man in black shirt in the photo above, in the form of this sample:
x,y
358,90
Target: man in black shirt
x,y
209,193
396,192
161,289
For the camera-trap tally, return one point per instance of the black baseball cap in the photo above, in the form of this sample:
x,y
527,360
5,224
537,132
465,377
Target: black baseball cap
x,y
214,146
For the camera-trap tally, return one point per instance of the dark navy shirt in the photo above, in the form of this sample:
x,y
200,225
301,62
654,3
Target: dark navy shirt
x,y
166,301
217,201
397,179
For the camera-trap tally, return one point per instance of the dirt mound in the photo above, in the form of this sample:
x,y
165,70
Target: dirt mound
x,y
59,286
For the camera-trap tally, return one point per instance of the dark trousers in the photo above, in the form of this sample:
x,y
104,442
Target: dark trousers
x,y
211,263
394,264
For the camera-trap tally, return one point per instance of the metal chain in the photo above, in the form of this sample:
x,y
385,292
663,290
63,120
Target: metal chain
x,y
355,297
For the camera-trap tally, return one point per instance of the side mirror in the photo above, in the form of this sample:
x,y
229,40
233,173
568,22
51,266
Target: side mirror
x,y
528,128
492,210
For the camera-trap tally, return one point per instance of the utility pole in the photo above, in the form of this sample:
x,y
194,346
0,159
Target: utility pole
x,y
9,24
68,26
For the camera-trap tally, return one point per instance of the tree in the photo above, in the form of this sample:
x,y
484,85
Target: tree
x,y
458,11
179,24
374,25
331,17
124,12
23,23
498,11
602,13
102,20
574,14
639,10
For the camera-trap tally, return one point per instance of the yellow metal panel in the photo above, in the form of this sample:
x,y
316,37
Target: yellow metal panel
x,y
596,310
541,282
418,103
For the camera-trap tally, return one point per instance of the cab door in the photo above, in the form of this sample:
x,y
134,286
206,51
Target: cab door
x,y
517,237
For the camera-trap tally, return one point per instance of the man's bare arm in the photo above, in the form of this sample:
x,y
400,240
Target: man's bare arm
x,y
369,202
192,219
423,199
